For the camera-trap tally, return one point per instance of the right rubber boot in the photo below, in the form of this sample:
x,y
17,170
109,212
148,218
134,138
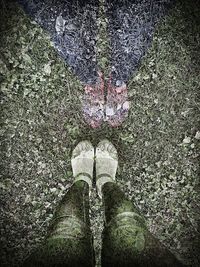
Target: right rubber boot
x,y
106,164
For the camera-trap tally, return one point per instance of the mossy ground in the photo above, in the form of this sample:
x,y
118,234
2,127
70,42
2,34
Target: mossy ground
x,y
42,122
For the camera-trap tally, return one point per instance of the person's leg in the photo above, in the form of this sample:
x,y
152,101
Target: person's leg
x,y
131,25
126,240
72,25
69,242
73,29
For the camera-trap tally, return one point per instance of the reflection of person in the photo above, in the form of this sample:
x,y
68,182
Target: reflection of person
x,y
126,241
73,27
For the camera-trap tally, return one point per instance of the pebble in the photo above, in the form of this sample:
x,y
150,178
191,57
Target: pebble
x,y
197,135
186,140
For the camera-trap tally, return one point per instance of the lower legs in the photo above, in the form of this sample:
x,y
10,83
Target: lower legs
x,y
124,233
126,240
69,242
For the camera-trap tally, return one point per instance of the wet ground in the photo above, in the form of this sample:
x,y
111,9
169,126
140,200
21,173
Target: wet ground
x,y
158,145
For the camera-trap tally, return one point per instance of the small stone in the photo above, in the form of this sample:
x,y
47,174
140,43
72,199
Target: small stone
x,y
186,140
197,135
47,204
109,111
154,76
137,77
146,77
118,83
47,69
158,164
53,190
54,139
155,101
60,25
192,145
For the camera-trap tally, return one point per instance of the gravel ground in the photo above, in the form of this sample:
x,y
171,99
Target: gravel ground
x,y
158,145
